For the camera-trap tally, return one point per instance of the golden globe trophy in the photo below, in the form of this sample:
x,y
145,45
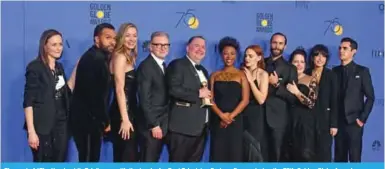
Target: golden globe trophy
x,y
206,102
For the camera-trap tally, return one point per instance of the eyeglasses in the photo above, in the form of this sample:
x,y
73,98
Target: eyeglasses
x,y
158,45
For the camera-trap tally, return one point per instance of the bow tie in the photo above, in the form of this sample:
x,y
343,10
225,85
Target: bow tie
x,y
199,67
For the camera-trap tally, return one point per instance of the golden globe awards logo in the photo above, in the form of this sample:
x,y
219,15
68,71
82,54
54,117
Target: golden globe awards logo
x,y
100,13
265,22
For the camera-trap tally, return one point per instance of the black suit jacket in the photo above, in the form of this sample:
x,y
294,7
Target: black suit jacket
x,y
326,105
39,92
186,115
153,95
353,104
279,98
91,93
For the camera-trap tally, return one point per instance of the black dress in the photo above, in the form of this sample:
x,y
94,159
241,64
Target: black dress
x,y
226,143
125,150
304,127
254,122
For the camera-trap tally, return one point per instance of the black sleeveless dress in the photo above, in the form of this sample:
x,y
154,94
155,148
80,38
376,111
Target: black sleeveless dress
x,y
303,129
125,150
254,122
226,143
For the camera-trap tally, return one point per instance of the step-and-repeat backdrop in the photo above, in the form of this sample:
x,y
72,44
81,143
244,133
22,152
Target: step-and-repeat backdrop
x,y
305,23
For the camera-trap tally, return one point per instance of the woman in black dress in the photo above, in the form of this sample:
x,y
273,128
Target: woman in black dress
x,y
303,126
124,104
230,92
254,118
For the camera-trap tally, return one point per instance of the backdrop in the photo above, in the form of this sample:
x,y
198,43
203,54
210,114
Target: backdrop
x,y
305,24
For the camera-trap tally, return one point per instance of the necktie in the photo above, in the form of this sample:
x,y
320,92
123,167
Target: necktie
x,y
164,67
198,67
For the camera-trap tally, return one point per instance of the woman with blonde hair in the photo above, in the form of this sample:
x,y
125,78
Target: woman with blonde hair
x,y
124,104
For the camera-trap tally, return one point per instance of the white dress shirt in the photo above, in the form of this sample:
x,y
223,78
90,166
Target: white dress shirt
x,y
159,62
202,78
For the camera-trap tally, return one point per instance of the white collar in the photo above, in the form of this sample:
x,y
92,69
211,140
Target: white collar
x,y
192,62
158,60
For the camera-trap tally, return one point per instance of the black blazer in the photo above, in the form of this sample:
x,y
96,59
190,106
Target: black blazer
x,y
89,108
153,95
279,98
39,92
186,115
326,105
358,87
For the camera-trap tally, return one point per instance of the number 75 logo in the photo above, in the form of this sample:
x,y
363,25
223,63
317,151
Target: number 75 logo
x,y
188,18
334,26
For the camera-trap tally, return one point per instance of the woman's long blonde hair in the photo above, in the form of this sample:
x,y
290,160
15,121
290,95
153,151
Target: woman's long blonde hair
x,y
120,48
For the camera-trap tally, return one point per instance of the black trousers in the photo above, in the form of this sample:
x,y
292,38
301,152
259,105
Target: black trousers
x,y
124,150
184,148
88,144
323,146
349,143
275,139
150,148
53,147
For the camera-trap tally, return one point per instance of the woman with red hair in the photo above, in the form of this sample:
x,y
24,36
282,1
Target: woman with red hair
x,y
253,67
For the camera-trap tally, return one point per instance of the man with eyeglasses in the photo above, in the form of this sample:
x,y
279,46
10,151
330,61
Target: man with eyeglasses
x,y
153,98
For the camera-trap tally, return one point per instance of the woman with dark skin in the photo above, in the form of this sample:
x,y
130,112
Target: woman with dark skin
x,y
230,92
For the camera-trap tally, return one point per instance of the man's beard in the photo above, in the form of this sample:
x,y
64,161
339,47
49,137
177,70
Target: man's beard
x,y
274,54
105,49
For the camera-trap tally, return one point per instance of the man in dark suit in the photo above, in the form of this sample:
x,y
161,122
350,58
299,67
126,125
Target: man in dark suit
x,y
188,121
153,98
89,118
277,114
355,84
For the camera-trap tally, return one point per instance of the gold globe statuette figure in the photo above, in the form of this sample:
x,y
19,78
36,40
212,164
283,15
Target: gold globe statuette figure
x,y
206,102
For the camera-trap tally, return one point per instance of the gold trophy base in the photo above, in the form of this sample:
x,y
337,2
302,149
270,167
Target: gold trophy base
x,y
206,103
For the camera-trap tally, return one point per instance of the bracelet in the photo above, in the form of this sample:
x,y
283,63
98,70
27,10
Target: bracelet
x,y
276,85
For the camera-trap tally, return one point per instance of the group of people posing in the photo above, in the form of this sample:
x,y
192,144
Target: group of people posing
x,y
268,110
